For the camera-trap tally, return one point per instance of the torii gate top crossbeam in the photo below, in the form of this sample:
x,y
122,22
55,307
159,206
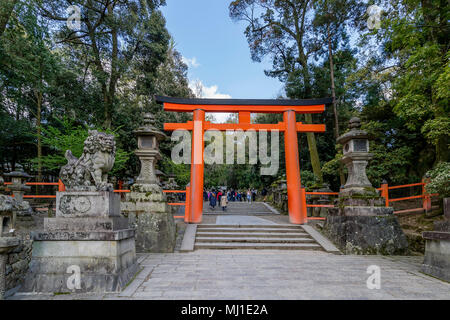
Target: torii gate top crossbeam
x,y
244,105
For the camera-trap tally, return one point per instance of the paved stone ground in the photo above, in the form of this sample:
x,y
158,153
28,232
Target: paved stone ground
x,y
269,275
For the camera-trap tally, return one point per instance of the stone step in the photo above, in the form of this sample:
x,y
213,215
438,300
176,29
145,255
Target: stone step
x,y
245,229
255,240
236,212
267,246
252,234
251,208
283,226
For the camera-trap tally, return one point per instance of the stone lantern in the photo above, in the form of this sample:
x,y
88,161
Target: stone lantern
x,y
360,223
146,204
148,137
356,156
171,183
18,187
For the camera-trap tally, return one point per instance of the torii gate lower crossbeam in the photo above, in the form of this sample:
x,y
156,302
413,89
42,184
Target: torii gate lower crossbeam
x,y
289,108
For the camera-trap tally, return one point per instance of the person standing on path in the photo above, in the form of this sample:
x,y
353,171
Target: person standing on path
x,y
219,195
223,202
212,200
249,196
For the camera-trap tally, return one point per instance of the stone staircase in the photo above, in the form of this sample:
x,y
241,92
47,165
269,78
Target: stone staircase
x,y
271,236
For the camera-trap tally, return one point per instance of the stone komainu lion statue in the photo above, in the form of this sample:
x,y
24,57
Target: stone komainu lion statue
x,y
93,165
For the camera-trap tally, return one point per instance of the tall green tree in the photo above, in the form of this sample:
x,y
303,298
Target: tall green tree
x,y
280,30
113,36
331,21
415,44
31,65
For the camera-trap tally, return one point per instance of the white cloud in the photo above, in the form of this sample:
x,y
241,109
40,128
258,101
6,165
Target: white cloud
x,y
202,91
191,63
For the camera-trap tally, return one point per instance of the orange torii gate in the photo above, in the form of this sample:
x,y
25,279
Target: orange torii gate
x,y
244,107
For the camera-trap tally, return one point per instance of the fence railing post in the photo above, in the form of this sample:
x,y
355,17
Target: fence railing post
x,y
426,200
385,192
61,186
187,217
303,204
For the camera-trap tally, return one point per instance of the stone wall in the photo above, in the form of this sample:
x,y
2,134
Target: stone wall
x,y
19,259
17,266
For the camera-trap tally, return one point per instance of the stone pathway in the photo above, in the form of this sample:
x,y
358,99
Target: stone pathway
x,y
268,275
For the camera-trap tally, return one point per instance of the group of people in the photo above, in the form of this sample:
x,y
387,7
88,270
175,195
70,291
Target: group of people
x,y
223,197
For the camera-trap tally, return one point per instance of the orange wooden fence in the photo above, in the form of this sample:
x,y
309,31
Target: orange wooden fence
x,y
425,196
60,185
303,194
384,188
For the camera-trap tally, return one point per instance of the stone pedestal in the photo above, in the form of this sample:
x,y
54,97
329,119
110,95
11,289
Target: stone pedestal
x,y
87,235
361,224
147,210
366,234
437,248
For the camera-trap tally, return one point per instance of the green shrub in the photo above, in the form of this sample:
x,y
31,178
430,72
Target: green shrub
x,y
440,180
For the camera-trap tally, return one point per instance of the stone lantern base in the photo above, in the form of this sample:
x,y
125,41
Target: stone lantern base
x,y
361,224
147,210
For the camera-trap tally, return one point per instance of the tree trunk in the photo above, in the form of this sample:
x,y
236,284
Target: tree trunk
x,y
303,60
108,108
39,97
39,135
313,153
6,10
333,95
312,146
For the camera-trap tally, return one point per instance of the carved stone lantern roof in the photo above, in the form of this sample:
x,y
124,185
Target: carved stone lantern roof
x,y
159,173
354,133
18,179
149,129
18,174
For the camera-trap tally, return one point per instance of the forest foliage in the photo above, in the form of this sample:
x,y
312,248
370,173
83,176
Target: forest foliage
x,y
56,83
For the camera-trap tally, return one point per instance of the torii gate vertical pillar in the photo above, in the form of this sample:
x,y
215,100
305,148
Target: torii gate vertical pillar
x,y
296,207
196,186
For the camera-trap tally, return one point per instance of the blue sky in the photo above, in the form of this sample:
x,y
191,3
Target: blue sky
x,y
216,50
